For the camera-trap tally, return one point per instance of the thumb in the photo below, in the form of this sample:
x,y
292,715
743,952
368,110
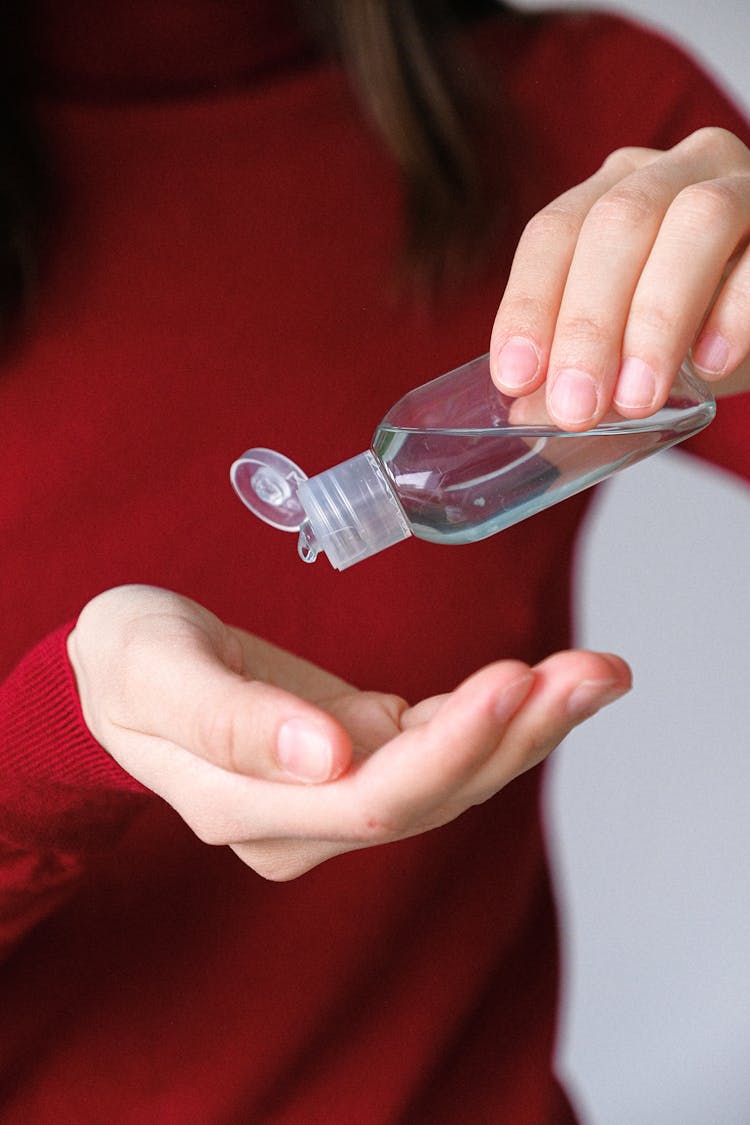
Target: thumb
x,y
170,674
252,728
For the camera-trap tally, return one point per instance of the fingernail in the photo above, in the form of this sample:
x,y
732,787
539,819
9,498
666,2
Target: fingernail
x,y
517,363
711,353
303,751
591,695
636,385
574,397
511,698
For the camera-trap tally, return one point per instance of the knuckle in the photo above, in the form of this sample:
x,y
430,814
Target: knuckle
x,y
624,207
718,142
581,330
732,311
623,160
374,705
226,732
393,705
215,736
525,312
555,222
654,320
736,301
705,205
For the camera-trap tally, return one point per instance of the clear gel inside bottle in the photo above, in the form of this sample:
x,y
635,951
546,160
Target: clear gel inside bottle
x,y
455,461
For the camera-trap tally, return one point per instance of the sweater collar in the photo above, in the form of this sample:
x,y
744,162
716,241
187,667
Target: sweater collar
x,y
160,48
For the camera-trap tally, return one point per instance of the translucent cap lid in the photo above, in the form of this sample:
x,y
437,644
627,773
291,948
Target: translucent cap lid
x,y
350,511
267,483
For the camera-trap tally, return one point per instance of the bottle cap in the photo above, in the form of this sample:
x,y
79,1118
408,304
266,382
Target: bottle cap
x,y
350,511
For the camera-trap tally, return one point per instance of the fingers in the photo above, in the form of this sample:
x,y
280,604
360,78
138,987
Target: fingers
x,y
165,688
699,234
391,793
444,742
500,722
724,340
244,726
612,281
527,317
569,688
460,749
157,666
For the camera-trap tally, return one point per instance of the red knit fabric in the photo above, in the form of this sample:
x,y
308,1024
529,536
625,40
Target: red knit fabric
x,y
221,277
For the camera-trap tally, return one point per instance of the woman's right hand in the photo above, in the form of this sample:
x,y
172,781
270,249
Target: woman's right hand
x,y
290,765
618,278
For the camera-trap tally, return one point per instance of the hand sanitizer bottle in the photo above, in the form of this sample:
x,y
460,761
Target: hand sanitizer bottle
x,y
455,461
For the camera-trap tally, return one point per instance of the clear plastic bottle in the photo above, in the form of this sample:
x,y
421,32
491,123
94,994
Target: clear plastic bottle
x,y
455,461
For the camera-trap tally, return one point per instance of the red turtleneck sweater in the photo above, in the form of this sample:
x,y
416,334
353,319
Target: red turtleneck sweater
x,y
220,278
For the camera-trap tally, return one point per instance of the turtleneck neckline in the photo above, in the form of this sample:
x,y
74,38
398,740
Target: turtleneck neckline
x,y
160,48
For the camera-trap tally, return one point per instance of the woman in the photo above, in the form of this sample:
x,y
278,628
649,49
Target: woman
x,y
241,248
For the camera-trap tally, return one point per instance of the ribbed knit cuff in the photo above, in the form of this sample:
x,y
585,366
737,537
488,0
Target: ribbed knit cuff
x,y
43,735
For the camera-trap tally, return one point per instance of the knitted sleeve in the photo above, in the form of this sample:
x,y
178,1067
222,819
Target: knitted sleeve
x,y
63,800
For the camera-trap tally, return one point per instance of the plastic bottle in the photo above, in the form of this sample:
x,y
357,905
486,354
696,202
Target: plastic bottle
x,y
455,461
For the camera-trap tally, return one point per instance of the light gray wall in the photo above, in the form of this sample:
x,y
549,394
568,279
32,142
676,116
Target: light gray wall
x,y
649,805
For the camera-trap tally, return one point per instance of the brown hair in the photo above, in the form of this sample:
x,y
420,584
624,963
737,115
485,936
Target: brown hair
x,y
401,60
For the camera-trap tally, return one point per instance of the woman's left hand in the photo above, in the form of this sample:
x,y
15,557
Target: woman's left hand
x,y
614,282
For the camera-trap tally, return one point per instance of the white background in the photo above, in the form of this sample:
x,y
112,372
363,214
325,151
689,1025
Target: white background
x,y
649,803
